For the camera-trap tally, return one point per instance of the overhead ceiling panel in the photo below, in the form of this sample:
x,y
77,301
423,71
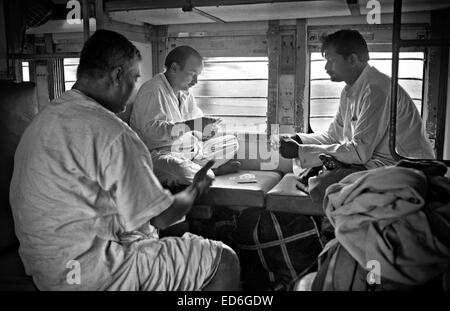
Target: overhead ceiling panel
x,y
236,13
267,11
159,17
286,10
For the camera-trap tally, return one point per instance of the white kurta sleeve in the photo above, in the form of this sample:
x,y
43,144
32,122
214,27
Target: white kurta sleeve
x,y
331,136
125,171
369,128
194,111
154,126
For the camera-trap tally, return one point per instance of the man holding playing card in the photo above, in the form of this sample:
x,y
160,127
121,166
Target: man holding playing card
x,y
358,137
180,138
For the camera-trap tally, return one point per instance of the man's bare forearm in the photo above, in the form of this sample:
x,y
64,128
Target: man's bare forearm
x,y
180,207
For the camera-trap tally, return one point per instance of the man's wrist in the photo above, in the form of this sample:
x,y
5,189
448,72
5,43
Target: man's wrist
x,y
193,191
190,124
297,138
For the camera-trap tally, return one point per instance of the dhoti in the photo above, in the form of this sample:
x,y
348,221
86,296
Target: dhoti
x,y
179,164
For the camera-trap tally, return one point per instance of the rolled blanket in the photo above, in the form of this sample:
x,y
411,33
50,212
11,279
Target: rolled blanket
x,y
382,215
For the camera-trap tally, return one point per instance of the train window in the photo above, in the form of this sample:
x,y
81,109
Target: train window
x,y
70,72
324,98
25,71
235,89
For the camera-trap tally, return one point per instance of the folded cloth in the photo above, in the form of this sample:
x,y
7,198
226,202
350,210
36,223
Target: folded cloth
x,y
382,215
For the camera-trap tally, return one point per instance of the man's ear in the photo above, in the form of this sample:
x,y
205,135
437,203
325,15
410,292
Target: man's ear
x,y
353,59
174,67
116,75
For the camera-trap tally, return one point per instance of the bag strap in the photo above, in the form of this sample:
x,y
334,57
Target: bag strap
x,y
292,238
316,228
329,276
284,250
260,252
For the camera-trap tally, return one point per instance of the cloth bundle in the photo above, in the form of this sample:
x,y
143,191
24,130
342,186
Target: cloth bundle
x,y
399,216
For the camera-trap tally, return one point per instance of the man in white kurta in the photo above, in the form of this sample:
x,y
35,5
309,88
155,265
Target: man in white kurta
x,y
85,201
359,133
160,111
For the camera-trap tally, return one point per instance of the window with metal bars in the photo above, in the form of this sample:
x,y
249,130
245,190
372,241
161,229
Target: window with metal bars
x,y
234,89
70,72
25,71
325,94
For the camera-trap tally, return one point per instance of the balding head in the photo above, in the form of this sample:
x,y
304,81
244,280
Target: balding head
x,y
183,65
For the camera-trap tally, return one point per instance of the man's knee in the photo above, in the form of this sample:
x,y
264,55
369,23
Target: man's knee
x,y
318,185
175,171
227,276
230,261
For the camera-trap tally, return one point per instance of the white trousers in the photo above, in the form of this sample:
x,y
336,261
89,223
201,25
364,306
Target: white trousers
x,y
179,164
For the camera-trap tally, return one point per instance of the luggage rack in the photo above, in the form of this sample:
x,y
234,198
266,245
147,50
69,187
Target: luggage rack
x,y
398,43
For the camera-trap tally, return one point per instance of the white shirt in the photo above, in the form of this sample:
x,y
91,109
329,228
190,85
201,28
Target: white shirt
x,y
157,108
359,133
82,178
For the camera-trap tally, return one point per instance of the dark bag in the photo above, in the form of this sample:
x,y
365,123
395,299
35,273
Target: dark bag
x,y
275,248
338,271
316,180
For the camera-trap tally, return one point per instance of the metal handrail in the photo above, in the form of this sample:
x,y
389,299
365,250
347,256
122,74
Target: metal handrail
x,y
397,43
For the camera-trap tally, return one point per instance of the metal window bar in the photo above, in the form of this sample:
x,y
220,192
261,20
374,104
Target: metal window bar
x,y
55,69
398,43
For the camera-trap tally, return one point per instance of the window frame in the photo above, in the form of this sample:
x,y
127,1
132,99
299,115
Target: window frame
x,y
65,72
240,127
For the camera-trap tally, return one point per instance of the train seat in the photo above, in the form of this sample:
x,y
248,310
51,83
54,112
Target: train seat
x,y
227,191
286,197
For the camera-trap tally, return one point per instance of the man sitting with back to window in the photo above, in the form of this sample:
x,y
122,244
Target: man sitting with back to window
x,y
359,133
86,204
180,138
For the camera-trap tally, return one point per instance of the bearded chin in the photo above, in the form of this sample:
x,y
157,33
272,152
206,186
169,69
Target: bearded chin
x,y
335,79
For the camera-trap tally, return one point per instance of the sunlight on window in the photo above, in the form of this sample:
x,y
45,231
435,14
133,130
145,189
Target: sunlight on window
x,y
25,71
70,72
324,94
234,89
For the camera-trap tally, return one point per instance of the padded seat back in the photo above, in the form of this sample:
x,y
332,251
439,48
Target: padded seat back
x,y
18,106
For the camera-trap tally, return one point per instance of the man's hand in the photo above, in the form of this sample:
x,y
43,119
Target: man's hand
x,y
275,140
184,200
203,122
210,120
294,137
202,181
289,147
210,131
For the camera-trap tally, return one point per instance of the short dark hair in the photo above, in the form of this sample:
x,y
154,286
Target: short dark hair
x,y
104,51
180,54
347,42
